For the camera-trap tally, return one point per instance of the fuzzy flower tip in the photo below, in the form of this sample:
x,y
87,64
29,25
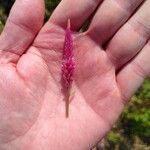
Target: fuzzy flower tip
x,y
68,58
68,65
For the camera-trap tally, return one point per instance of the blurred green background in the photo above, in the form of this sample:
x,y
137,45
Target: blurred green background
x,y
132,131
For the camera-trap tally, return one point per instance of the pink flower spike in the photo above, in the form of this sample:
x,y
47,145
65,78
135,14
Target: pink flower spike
x,y
68,64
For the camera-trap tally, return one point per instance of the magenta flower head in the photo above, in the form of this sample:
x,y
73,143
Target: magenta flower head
x,y
68,58
68,64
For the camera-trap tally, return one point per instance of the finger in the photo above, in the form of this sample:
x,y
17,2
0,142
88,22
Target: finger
x,y
77,10
131,38
131,77
109,17
25,20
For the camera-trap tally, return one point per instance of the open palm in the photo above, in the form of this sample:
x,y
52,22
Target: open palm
x,y
32,106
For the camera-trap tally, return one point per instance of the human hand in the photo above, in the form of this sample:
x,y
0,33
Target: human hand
x,y
107,74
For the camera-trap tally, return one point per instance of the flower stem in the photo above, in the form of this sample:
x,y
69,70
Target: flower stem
x,y
67,102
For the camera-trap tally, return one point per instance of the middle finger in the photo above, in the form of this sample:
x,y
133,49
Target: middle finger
x,y
109,17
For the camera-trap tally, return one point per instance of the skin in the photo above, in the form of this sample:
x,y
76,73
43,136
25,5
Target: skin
x,y
32,106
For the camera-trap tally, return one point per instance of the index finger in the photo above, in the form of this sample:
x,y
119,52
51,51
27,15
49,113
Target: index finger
x,y
77,10
25,20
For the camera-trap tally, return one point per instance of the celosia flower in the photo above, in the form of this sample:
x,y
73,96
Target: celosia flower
x,y
68,65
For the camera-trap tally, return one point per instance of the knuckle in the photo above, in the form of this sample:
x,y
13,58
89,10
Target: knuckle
x,y
139,70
